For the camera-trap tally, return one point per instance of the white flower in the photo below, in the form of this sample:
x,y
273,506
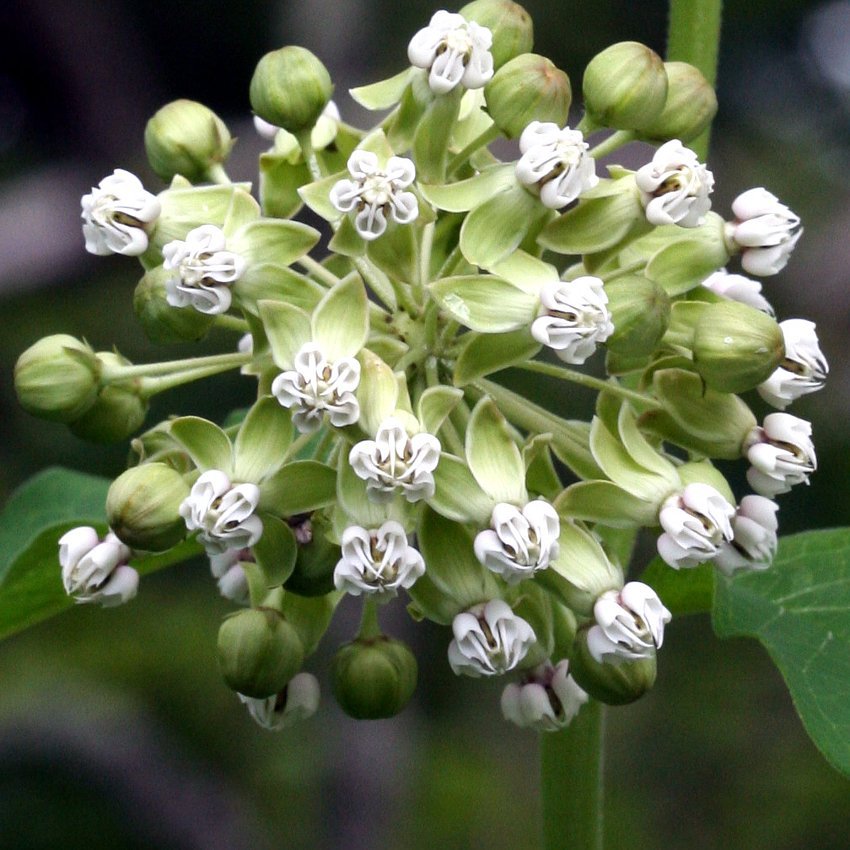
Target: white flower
x,y
736,287
377,561
546,700
781,453
755,541
629,624
766,231
454,50
803,370
519,542
232,580
489,639
696,521
286,145
117,214
224,513
204,270
556,161
95,570
297,701
316,386
573,318
375,193
675,186
396,462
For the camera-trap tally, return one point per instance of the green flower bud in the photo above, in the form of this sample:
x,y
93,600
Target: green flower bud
x,y
640,312
528,88
625,86
513,31
258,652
57,378
117,412
690,106
162,322
186,138
736,347
613,684
290,89
143,507
373,678
317,558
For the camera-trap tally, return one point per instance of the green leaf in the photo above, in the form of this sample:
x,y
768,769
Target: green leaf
x,y
298,488
495,229
383,94
275,241
458,496
204,442
485,303
341,320
262,441
467,194
799,609
487,353
493,457
35,517
275,551
682,591
287,329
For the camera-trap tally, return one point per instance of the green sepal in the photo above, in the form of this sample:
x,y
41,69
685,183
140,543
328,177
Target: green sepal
x,y
493,457
640,449
396,253
242,210
274,241
309,616
317,196
389,348
472,192
432,137
402,125
428,602
495,229
267,282
704,472
299,487
377,392
594,225
275,551
485,303
533,605
383,94
434,405
685,263
457,495
347,241
204,442
571,445
287,329
340,322
280,180
359,509
606,503
526,271
540,475
684,316
483,354
261,443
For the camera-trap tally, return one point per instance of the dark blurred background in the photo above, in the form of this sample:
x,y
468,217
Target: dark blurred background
x,y
115,728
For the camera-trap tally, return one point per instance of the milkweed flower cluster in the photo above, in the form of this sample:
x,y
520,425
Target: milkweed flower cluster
x,y
383,458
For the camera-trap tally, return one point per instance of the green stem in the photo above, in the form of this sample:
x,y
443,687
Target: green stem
x,y
588,381
217,174
370,628
231,323
489,135
612,143
450,262
571,768
425,249
305,140
694,36
221,362
318,271
152,386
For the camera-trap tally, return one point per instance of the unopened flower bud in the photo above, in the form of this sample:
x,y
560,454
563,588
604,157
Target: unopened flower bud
x,y
118,411
143,507
625,86
290,89
258,652
611,683
510,24
161,322
186,138
373,678
528,88
640,313
57,378
736,347
689,108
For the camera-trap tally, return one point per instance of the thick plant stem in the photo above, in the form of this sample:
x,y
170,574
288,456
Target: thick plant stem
x,y
694,36
571,782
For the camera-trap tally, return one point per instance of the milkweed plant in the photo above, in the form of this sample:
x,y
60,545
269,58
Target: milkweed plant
x,y
383,457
